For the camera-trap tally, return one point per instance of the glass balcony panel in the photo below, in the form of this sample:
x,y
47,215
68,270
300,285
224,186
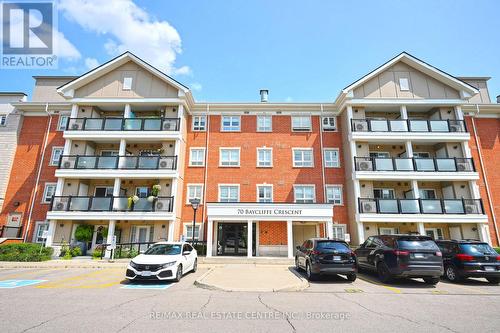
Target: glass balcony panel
x,y
101,203
384,164
425,164
409,206
79,204
143,205
418,126
379,126
431,207
128,162
473,206
148,162
453,206
403,164
107,162
113,124
93,124
446,164
152,124
120,203
439,126
132,124
399,126
388,206
86,162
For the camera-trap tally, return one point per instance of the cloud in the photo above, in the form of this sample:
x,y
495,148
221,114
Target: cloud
x,y
128,28
91,63
195,86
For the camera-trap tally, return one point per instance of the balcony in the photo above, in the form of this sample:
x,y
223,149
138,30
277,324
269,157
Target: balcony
x,y
414,164
420,206
123,124
407,125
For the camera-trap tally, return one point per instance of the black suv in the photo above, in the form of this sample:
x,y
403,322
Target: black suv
x,y
469,258
406,256
329,256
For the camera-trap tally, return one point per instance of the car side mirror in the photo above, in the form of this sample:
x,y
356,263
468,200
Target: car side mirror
x,y
186,253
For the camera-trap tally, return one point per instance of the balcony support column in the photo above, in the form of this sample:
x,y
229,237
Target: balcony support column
x,y
50,234
109,237
59,187
127,111
74,111
249,239
122,152
421,228
67,147
484,232
210,233
171,225
414,189
403,111
361,232
459,115
116,192
409,149
289,238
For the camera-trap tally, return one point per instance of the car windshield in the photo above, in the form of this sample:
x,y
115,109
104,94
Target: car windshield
x,y
417,244
477,249
164,249
329,246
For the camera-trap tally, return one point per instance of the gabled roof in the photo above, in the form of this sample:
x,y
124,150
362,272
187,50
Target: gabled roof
x,y
68,88
422,66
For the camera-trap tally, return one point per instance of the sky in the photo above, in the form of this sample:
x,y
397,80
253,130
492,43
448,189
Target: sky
x,y
302,51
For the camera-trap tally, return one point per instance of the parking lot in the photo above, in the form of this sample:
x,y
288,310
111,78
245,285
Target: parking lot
x,y
99,299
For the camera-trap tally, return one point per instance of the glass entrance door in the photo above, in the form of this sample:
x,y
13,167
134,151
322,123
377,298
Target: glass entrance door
x,y
232,239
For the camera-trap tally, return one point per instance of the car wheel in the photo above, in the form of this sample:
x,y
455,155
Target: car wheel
x,y
493,280
451,274
351,277
431,280
297,266
310,275
195,265
383,272
178,275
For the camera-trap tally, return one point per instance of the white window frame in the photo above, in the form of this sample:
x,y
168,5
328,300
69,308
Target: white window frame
x,y
329,127
231,128
127,82
259,161
304,185
37,234
45,190
199,128
301,128
3,119
385,189
189,225
231,149
427,189
191,156
392,231
341,199
404,84
61,125
302,160
435,230
228,185
336,233
189,197
334,164
265,117
265,185
54,149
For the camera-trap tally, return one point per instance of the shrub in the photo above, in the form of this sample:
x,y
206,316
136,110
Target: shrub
x,y
64,249
97,254
84,232
133,253
67,255
497,249
76,251
25,252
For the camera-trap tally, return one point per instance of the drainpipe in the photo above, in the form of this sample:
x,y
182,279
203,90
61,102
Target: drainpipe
x,y
323,179
483,171
40,165
206,170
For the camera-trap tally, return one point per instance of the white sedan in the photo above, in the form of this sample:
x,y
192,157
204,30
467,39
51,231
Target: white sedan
x,y
163,261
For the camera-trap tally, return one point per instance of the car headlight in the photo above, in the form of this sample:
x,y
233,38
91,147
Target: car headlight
x,y
168,264
133,264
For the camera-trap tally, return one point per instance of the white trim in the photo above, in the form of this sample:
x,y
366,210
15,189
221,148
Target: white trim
x,y
415,175
45,192
117,173
302,185
135,216
301,116
191,162
341,194
257,159
229,148
185,225
226,184
301,166
257,123
264,185
51,161
192,123
424,218
230,115
187,192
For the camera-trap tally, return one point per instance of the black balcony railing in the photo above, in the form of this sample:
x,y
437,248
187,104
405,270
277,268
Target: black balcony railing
x,y
110,204
420,206
414,164
123,124
118,162
407,125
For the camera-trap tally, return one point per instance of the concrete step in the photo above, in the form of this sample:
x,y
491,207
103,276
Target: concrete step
x,y
246,260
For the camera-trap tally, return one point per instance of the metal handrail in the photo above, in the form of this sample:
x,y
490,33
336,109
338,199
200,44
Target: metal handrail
x,y
452,125
122,124
66,163
468,206
63,203
460,164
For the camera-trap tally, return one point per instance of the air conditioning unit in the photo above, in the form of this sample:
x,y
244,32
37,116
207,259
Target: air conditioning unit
x,y
369,207
360,127
75,126
364,166
163,164
60,206
159,205
461,166
455,128
66,165
471,209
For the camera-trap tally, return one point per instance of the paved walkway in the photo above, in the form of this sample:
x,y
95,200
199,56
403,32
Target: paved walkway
x,y
252,277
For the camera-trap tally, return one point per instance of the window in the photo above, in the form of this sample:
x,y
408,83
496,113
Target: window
x,y
141,191
329,123
421,155
404,84
63,121
304,193
229,193
264,157
331,157
427,194
194,191
103,191
56,155
264,124
435,233
230,123
387,231
127,83
199,123
264,193
303,157
301,123
334,194
197,157
189,231
383,193
229,157
338,232
3,120
48,192
40,227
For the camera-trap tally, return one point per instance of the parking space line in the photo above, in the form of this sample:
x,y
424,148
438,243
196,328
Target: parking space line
x,y
60,283
395,290
23,274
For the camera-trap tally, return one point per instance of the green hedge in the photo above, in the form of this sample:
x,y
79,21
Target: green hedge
x,y
497,249
25,252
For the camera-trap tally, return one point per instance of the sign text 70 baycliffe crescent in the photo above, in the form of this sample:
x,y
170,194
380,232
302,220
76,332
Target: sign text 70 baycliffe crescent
x,y
270,212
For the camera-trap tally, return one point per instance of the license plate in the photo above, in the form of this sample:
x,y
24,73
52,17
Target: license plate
x,y
489,268
419,255
337,258
146,273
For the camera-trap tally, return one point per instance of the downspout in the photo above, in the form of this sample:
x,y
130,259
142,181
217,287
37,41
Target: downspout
x,y
483,171
323,180
206,167
39,172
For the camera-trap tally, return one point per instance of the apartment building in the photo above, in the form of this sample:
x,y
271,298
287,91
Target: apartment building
x,y
124,148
